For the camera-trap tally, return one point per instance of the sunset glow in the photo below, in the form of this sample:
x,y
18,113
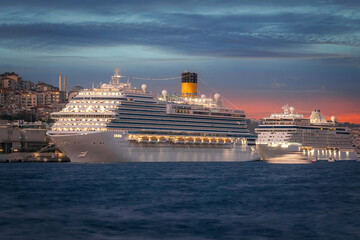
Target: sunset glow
x,y
259,54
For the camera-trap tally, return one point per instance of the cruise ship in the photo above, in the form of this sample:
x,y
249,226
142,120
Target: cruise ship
x,y
289,137
119,123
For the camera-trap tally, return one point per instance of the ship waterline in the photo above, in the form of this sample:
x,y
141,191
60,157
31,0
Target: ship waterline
x,y
114,147
295,152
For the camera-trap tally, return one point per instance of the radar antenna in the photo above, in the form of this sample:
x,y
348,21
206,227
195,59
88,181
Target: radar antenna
x,y
286,109
116,77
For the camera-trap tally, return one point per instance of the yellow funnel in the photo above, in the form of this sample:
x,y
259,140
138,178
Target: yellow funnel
x,y
188,84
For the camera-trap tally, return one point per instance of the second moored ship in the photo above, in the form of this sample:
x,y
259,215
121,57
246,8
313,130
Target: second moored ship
x,y
118,122
288,137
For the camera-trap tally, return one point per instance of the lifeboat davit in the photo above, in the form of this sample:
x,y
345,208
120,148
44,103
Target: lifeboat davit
x,y
142,139
205,140
152,139
227,141
179,140
212,141
161,140
197,140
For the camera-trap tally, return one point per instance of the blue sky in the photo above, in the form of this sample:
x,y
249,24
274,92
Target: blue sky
x,y
305,53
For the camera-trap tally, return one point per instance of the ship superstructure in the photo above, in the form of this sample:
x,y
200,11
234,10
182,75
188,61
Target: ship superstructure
x,y
118,122
289,135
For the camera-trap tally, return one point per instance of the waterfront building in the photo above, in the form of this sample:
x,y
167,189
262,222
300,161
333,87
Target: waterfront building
x,y
9,138
33,139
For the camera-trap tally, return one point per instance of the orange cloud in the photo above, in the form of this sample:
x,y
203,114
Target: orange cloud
x,y
259,106
350,117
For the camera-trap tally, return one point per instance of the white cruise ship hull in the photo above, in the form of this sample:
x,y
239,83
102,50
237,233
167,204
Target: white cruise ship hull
x,y
292,153
105,147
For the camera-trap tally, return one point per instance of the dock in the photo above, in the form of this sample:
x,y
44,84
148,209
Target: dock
x,y
33,157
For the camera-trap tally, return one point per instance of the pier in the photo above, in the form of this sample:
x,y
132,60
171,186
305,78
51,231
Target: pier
x,y
33,157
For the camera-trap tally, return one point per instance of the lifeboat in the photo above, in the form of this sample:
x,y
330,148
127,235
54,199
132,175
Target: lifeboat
x,y
227,141
152,139
205,140
161,140
212,141
220,141
142,139
189,140
179,140
197,140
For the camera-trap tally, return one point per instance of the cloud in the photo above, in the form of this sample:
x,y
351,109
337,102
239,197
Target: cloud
x,y
278,85
208,28
352,61
185,4
216,38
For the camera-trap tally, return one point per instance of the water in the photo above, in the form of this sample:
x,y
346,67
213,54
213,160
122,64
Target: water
x,y
252,200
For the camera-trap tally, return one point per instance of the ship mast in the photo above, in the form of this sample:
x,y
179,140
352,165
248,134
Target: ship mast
x,y
115,80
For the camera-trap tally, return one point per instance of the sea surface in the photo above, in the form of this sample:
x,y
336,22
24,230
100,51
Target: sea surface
x,y
253,200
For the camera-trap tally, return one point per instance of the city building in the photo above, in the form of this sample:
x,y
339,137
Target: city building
x,y
23,99
33,139
74,91
43,87
9,138
28,99
11,80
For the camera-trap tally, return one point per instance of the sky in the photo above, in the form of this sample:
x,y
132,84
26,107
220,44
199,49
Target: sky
x,y
259,55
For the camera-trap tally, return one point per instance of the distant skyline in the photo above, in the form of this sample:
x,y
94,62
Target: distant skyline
x,y
260,55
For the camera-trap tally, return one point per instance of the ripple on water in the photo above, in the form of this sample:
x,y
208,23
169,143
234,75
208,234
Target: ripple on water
x,y
180,201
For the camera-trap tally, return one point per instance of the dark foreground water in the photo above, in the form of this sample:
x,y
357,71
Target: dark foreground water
x,y
180,201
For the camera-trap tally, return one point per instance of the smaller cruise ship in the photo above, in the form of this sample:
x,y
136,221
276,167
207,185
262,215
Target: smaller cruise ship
x,y
289,136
